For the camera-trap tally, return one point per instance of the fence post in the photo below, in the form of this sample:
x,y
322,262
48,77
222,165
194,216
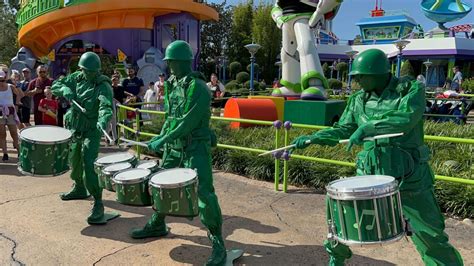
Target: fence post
x,y
286,155
118,118
137,134
277,124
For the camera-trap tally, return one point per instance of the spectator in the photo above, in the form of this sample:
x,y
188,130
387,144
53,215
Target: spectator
x,y
35,89
151,96
457,79
63,105
49,107
118,90
8,115
216,87
24,110
134,88
160,91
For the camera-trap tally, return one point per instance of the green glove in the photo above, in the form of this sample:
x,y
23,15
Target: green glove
x,y
155,138
157,144
302,142
357,138
68,94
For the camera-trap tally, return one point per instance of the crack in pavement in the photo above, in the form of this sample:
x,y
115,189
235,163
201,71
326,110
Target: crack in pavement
x,y
34,197
12,254
110,254
278,214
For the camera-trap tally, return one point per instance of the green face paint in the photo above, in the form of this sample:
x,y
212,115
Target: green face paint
x,y
179,68
90,75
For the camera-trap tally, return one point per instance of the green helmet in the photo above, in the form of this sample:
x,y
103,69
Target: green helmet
x,y
179,50
90,61
370,62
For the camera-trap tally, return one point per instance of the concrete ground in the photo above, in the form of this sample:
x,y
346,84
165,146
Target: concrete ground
x,y
273,228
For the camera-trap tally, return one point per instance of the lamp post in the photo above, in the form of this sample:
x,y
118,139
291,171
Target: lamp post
x,y
427,64
253,49
332,70
400,44
351,54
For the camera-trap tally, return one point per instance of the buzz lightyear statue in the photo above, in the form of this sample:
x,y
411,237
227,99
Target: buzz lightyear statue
x,y
302,74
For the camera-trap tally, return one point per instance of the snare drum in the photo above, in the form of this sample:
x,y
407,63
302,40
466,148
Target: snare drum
x,y
44,151
153,166
365,210
131,187
109,171
122,157
175,192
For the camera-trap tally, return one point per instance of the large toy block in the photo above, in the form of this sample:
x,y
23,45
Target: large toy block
x,y
322,113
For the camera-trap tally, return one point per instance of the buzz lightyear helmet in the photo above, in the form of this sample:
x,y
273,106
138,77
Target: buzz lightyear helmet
x,y
310,2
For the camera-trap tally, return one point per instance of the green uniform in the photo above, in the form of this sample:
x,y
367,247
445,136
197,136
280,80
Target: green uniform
x,y
186,138
94,93
399,107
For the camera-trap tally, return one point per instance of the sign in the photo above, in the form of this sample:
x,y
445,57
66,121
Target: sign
x,y
52,56
121,55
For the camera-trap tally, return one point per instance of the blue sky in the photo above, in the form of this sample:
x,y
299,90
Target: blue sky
x,y
353,10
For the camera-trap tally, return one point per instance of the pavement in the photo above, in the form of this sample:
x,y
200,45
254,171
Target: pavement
x,y
273,228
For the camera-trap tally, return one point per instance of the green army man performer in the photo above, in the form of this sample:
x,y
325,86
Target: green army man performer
x,y
93,92
186,138
387,105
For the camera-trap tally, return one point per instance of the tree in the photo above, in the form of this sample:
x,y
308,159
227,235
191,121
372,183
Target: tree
x,y
234,68
8,30
214,36
407,69
326,69
266,33
240,33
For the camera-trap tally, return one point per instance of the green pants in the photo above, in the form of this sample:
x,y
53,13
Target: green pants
x,y
427,223
84,152
197,156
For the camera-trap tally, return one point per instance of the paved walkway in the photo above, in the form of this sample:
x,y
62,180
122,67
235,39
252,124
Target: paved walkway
x,y
37,228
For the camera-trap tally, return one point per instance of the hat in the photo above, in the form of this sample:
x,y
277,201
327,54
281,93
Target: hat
x,y
161,75
2,74
25,70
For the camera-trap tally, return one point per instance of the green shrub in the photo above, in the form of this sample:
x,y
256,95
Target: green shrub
x,y
335,84
455,199
232,86
242,77
256,85
234,68
407,69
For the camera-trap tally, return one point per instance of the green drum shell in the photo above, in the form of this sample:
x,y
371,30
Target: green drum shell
x,y
134,192
105,178
98,167
365,216
43,159
180,201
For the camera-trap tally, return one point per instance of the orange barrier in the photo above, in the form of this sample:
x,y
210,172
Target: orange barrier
x,y
255,109
279,104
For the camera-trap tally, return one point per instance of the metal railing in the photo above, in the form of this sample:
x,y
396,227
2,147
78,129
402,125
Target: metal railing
x,y
278,143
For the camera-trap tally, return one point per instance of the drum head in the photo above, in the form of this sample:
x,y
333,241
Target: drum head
x,y
131,176
117,167
362,186
148,165
173,177
115,158
45,134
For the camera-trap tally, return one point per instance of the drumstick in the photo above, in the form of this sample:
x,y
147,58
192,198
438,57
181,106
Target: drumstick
x,y
132,142
282,148
107,136
79,106
375,137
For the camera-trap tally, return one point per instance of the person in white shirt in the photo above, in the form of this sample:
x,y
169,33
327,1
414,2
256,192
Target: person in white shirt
x,y
216,87
151,96
160,91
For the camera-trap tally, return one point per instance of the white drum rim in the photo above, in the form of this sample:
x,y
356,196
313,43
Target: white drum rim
x,y
131,181
176,185
155,164
111,172
362,193
97,163
23,138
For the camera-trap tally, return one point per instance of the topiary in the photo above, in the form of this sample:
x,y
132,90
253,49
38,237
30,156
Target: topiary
x,y
242,77
234,68
334,84
256,85
232,86
407,69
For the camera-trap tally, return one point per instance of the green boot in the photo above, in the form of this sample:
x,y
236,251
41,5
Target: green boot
x,y
219,253
77,192
335,262
155,227
97,213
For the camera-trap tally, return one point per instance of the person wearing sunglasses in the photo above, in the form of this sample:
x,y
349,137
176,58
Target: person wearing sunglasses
x,y
36,90
8,115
